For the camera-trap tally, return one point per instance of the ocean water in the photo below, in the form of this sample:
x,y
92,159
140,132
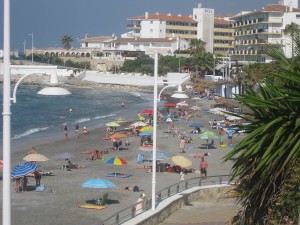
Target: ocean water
x,y
39,119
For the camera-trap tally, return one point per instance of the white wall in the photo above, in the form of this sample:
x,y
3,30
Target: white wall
x,y
153,29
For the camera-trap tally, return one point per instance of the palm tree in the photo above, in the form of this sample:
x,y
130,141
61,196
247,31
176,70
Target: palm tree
x,y
197,46
269,157
292,30
67,41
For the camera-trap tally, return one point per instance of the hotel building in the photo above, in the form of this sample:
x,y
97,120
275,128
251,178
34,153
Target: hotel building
x,y
254,30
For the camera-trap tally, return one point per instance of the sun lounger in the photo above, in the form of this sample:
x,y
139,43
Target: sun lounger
x,y
88,206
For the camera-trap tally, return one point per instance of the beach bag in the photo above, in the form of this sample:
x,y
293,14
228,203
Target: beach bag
x,y
136,189
40,188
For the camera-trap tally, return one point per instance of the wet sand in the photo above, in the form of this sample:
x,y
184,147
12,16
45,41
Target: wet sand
x,y
61,206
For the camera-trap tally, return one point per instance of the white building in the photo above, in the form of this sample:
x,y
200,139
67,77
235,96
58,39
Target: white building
x,y
200,25
253,30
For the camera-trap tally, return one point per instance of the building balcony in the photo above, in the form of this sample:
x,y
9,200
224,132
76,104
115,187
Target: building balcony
x,y
186,36
131,26
187,28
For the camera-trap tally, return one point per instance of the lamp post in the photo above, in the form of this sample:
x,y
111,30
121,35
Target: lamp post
x,y
31,47
177,94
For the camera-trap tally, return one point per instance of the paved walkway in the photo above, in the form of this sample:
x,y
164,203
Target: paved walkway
x,y
204,212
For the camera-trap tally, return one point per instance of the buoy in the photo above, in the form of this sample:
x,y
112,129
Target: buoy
x,y
70,110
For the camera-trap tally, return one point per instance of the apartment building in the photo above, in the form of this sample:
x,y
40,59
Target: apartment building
x,y
198,25
254,30
223,35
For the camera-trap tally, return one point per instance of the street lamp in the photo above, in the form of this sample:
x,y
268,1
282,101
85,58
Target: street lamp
x,y
31,47
6,202
178,94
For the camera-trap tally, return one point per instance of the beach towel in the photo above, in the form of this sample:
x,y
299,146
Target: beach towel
x,y
97,207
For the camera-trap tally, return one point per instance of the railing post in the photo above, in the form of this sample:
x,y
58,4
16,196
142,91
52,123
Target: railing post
x,y
200,181
220,179
177,188
169,192
186,185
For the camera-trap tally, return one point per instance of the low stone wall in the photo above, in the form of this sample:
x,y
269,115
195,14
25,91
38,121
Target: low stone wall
x,y
181,200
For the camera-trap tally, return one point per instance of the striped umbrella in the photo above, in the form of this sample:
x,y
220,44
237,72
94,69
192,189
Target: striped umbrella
x,y
23,169
116,161
146,133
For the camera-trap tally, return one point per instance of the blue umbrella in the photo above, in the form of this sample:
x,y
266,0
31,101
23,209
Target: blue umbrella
x,y
196,125
98,183
146,133
23,169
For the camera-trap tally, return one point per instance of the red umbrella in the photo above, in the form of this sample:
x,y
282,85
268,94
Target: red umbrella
x,y
1,164
148,111
170,104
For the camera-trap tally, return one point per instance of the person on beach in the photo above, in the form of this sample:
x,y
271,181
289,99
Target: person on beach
x,y
66,132
203,167
37,177
230,136
32,151
18,184
123,105
182,144
85,131
71,166
130,188
24,183
77,130
222,133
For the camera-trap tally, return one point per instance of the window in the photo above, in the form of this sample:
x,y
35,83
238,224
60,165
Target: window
x,y
298,16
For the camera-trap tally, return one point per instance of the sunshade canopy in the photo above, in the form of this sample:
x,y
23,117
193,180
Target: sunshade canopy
x,y
36,158
181,161
112,124
98,183
23,169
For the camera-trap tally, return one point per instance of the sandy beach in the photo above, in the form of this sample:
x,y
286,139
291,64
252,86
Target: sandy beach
x,y
59,203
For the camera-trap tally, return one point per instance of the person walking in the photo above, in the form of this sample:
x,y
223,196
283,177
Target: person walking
x,y
203,167
182,144
222,133
77,130
66,132
141,204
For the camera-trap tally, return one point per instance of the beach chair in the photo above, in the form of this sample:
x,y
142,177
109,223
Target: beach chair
x,y
140,158
102,200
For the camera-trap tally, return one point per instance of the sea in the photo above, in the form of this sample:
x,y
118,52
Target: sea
x,y
38,119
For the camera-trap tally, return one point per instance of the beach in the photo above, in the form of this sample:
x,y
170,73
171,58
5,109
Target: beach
x,y
59,203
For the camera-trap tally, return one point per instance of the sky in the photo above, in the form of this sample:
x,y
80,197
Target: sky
x,y
50,20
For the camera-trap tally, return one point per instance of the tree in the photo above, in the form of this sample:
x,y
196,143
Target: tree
x,y
292,30
268,159
197,46
67,41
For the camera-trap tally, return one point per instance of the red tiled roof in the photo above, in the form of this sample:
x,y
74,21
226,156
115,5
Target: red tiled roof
x,y
126,40
166,17
271,8
220,21
279,8
96,39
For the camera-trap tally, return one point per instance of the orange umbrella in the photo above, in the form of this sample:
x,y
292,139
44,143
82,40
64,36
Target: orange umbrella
x,y
118,136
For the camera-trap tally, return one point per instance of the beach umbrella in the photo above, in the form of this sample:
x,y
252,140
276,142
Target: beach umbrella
x,y
112,124
65,155
35,158
118,136
196,108
141,118
146,133
23,169
98,183
1,164
196,125
116,161
181,161
196,98
147,128
139,124
170,104
208,135
148,112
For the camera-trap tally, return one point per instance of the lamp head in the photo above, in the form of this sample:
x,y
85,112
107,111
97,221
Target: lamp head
x,y
53,88
179,93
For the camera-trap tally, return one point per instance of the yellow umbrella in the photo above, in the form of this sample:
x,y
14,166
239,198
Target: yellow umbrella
x,y
181,161
35,158
147,128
